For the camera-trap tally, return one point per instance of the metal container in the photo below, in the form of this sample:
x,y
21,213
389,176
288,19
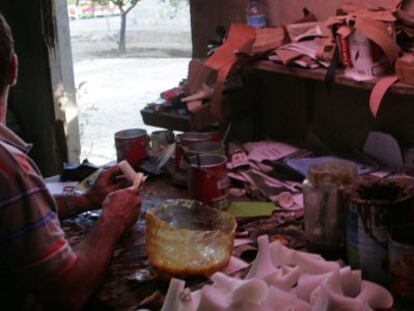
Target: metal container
x,y
181,145
206,147
323,207
208,181
131,145
375,208
401,263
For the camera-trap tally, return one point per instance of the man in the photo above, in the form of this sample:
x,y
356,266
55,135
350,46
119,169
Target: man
x,y
38,268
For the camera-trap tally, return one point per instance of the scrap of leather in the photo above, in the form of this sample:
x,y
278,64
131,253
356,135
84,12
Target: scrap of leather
x,y
344,31
378,33
194,105
240,36
287,56
405,18
241,39
404,68
204,93
352,7
378,93
266,39
198,75
216,110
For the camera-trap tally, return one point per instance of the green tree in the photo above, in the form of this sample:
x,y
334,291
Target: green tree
x,y
124,6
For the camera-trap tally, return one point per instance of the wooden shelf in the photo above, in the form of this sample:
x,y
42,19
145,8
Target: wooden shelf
x,y
319,74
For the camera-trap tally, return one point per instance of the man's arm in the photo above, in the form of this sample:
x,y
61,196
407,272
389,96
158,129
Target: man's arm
x,y
70,205
72,289
108,181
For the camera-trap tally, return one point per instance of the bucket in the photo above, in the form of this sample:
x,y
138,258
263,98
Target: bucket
x,y
374,208
401,263
131,145
181,145
208,181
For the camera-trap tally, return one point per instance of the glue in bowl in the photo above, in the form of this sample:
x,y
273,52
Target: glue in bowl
x,y
186,237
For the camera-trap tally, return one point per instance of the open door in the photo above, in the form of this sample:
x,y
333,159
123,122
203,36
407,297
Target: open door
x,y
43,102
57,35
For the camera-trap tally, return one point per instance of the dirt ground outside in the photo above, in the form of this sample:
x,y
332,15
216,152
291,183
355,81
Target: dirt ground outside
x,y
112,89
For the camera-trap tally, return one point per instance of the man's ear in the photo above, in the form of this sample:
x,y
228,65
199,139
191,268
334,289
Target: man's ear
x,y
14,64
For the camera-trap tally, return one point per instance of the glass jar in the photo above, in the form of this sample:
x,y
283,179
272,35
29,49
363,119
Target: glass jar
x,y
323,207
186,237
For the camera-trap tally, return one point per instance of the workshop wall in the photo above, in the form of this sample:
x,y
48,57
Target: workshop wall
x,y
207,15
285,11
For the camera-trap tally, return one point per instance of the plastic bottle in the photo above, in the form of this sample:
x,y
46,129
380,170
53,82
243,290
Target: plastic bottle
x,y
255,14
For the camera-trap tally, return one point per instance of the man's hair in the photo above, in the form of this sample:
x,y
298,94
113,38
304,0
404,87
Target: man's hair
x,y
6,50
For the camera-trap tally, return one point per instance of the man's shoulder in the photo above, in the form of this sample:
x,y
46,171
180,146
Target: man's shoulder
x,y
12,160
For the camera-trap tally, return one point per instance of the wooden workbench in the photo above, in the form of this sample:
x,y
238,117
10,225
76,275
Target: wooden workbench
x,y
131,283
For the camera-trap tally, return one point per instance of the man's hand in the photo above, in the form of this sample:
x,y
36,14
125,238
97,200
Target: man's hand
x,y
121,209
108,181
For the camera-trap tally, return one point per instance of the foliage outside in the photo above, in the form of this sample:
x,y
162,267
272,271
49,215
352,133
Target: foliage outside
x,y
124,7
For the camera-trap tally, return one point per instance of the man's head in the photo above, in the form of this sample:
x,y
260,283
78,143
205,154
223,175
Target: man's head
x,y
8,66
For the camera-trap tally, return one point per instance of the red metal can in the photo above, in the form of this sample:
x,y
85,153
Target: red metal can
x,y
131,145
181,145
208,181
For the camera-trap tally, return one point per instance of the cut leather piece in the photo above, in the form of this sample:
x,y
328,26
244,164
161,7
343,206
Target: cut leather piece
x,y
194,105
204,93
379,92
267,39
386,16
224,58
216,110
260,183
378,33
352,7
298,32
198,75
287,56
404,68
344,31
309,18
239,37
405,18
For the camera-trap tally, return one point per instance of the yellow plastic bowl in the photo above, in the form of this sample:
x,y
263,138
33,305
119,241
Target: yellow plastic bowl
x,y
185,237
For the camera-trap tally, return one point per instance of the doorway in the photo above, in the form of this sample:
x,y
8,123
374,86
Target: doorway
x,y
113,87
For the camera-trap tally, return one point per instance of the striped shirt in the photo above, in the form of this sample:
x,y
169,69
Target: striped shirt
x,y
33,248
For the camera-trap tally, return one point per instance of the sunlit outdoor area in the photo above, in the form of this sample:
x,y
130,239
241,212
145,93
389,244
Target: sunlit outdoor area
x,y
115,79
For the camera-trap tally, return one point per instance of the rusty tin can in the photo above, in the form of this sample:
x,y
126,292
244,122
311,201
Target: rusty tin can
x,y
401,263
208,181
131,145
181,146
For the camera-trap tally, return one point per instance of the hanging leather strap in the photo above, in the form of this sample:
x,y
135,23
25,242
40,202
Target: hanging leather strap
x,y
224,58
378,93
